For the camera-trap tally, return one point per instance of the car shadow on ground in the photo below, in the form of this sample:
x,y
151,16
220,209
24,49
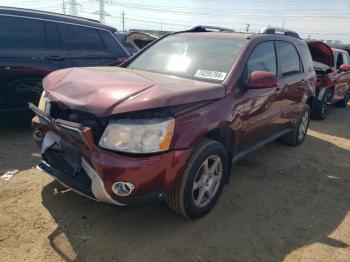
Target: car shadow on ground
x,y
278,200
15,132
331,126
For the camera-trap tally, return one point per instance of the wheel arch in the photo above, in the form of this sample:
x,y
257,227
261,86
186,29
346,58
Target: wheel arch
x,y
225,136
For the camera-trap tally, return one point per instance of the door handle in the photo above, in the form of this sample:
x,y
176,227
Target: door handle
x,y
54,58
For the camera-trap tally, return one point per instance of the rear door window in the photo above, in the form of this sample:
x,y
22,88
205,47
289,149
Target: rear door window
x,y
288,58
263,58
81,37
53,39
21,34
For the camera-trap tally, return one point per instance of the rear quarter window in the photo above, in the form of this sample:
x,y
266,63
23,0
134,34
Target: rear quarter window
x,y
345,58
306,58
21,34
112,43
339,59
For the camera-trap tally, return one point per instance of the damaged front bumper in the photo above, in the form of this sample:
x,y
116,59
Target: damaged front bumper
x,y
71,156
96,191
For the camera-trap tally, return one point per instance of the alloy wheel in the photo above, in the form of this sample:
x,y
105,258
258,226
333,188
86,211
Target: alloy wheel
x,y
207,181
304,122
326,105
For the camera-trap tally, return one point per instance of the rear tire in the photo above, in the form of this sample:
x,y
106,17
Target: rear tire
x,y
202,181
320,109
298,134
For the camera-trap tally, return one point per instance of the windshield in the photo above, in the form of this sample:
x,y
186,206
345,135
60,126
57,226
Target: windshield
x,y
195,57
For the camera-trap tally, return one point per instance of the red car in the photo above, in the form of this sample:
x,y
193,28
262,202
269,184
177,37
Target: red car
x,y
333,78
167,125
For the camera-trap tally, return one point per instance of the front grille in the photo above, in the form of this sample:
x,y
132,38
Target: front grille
x,y
64,172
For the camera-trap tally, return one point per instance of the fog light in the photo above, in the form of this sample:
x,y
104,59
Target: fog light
x,y
37,135
123,188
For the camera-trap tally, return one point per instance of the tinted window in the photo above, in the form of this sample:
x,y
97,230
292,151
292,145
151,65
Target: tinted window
x,y
288,58
191,56
306,58
263,58
80,37
339,60
53,39
21,34
112,43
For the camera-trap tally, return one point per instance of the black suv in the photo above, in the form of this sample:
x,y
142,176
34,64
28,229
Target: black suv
x,y
35,43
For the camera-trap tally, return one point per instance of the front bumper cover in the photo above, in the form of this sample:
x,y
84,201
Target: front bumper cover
x,y
154,176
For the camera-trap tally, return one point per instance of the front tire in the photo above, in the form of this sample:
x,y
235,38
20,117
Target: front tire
x,y
202,181
298,134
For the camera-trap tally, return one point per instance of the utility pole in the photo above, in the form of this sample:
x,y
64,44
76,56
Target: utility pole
x,y
73,7
64,6
161,26
247,28
101,11
282,26
123,20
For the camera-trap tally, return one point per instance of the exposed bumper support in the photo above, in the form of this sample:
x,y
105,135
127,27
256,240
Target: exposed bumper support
x,y
97,185
98,190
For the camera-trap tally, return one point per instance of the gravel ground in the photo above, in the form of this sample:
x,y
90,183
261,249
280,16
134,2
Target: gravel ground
x,y
282,204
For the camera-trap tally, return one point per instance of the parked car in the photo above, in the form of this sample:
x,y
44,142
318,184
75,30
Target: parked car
x,y
342,77
35,43
134,41
333,78
168,123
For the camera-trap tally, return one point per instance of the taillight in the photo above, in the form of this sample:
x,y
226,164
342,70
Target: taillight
x,y
121,59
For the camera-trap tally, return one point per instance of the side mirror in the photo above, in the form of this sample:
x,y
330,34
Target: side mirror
x,y
261,79
344,68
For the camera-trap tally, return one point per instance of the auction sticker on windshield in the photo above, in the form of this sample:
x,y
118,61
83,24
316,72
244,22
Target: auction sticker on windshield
x,y
209,74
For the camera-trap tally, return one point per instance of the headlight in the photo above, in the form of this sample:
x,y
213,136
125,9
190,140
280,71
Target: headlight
x,y
138,136
42,102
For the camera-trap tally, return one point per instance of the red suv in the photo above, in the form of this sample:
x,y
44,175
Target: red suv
x,y
167,125
333,78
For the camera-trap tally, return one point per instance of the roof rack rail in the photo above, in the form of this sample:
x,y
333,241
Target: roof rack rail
x,y
206,28
280,31
50,13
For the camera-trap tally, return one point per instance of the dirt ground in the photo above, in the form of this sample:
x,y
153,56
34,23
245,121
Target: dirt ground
x,y
282,204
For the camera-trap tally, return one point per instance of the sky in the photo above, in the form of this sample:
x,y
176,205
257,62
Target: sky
x,y
317,19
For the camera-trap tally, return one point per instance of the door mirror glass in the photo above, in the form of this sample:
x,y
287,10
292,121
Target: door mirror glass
x,y
261,79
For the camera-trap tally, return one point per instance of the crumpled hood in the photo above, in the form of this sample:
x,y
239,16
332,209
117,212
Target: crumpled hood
x,y
105,91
